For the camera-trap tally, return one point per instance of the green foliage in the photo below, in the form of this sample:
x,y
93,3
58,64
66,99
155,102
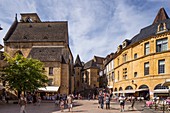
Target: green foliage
x,y
24,74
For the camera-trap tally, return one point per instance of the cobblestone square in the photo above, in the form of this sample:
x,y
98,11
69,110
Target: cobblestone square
x,y
80,106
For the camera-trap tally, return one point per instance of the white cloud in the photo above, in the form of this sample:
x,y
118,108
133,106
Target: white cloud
x,y
96,27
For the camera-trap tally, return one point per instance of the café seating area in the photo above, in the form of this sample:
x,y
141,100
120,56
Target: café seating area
x,y
159,104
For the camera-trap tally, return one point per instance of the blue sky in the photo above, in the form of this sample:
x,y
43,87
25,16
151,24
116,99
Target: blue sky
x,y
96,27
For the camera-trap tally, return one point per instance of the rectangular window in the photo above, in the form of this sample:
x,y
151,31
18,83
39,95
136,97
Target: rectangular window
x,y
50,70
135,55
162,45
146,68
147,49
124,57
113,76
125,73
135,74
118,61
161,66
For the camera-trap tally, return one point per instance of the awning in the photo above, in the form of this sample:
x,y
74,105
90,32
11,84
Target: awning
x,y
166,83
110,87
118,92
161,91
145,89
49,89
125,91
129,91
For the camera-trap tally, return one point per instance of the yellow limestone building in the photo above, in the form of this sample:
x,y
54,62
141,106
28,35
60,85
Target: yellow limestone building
x,y
142,64
47,42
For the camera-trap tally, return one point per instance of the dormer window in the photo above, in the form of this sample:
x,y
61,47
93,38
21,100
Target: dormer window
x,y
161,28
119,48
24,37
29,20
124,44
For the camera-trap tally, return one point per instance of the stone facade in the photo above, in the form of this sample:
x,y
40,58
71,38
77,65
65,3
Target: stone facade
x,y
87,75
47,42
142,64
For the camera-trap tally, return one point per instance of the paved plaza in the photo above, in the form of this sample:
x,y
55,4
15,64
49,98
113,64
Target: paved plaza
x,y
80,106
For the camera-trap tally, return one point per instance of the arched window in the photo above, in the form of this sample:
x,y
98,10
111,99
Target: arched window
x,y
19,52
159,86
143,87
120,89
161,27
128,88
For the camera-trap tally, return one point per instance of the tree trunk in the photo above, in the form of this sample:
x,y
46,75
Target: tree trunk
x,y
19,93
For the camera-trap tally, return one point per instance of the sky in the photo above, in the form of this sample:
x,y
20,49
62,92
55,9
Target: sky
x,y
95,27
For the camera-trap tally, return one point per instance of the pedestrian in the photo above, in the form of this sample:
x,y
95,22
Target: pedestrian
x,y
101,101
70,102
133,102
122,103
89,96
107,102
34,99
22,102
61,105
7,98
39,100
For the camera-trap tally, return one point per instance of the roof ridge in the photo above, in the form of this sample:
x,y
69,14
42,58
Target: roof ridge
x,y
161,15
78,61
11,29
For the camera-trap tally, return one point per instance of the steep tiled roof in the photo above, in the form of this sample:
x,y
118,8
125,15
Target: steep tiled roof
x,y
11,29
162,15
90,64
108,58
98,60
78,62
48,54
33,32
151,30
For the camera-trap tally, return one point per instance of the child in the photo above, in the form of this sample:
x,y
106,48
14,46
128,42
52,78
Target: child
x,y
62,105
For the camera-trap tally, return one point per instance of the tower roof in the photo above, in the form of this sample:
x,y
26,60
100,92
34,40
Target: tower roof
x,y
78,62
162,15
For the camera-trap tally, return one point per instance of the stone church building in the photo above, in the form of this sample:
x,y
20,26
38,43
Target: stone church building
x,y
47,42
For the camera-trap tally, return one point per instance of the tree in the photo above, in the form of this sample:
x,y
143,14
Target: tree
x,y
24,74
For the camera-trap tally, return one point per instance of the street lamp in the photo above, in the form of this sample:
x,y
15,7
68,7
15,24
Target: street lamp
x,y
134,84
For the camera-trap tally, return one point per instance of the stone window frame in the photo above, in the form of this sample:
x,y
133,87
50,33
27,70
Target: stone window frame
x,y
162,44
161,66
146,68
135,74
51,71
146,48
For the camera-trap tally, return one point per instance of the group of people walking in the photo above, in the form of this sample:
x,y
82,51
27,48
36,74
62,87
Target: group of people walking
x,y
101,99
30,98
106,98
63,101
68,101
